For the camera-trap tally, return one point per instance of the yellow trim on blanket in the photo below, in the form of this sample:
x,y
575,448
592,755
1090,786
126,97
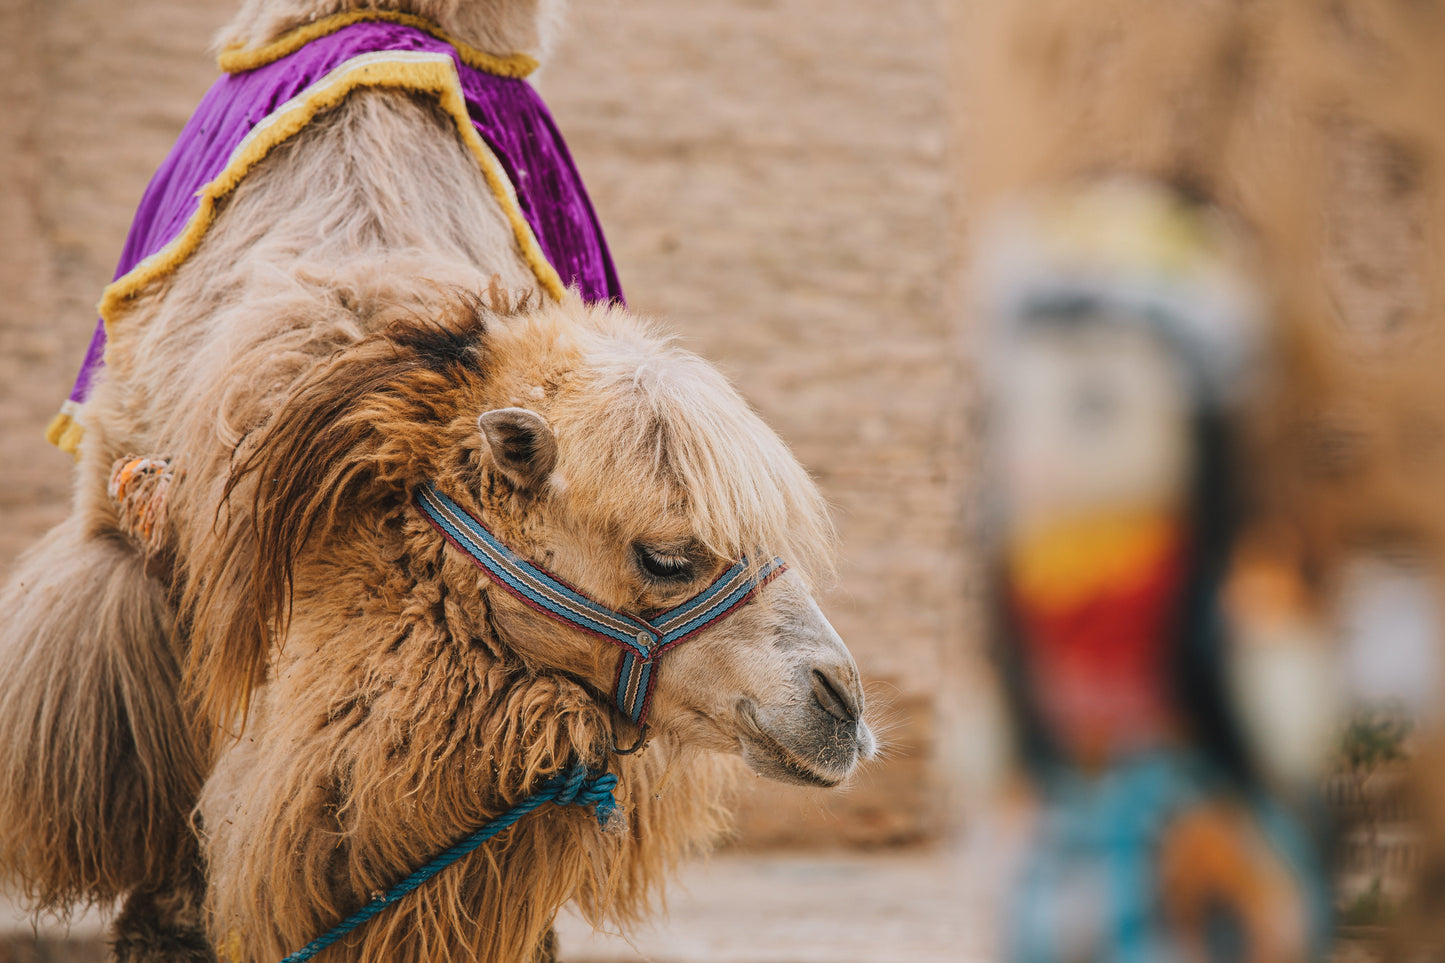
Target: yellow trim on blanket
x,y
237,59
432,73
422,72
64,431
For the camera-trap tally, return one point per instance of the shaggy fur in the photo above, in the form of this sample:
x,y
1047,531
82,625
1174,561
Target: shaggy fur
x,y
357,695
410,691
93,727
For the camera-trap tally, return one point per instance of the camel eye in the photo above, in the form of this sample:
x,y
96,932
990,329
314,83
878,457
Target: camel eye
x,y
663,565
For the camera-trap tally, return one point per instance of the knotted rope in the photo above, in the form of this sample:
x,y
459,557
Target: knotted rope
x,y
575,787
138,488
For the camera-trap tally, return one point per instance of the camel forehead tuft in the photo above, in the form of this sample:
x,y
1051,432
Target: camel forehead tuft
x,y
648,432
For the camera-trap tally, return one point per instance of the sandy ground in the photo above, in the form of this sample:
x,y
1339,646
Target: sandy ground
x,y
907,906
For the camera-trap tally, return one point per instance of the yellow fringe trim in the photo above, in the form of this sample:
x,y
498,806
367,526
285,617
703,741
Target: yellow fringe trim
x,y
229,949
237,59
64,431
430,73
422,72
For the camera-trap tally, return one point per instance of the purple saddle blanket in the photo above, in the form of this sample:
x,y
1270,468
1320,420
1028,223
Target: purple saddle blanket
x,y
245,114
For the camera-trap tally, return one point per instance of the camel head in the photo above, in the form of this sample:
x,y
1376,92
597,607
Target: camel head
x,y
625,468
634,472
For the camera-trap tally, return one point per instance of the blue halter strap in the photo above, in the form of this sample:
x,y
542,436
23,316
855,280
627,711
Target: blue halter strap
x,y
643,641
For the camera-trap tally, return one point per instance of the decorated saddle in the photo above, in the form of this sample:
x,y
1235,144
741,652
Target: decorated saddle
x,y
268,95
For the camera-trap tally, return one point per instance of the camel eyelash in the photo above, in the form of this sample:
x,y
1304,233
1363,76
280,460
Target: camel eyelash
x,y
664,566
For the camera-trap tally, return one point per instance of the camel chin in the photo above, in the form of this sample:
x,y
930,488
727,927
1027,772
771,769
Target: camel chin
x,y
807,746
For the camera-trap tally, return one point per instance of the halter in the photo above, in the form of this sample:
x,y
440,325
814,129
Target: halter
x,y
643,641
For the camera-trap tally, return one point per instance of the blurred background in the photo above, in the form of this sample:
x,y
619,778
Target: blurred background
x,y
794,187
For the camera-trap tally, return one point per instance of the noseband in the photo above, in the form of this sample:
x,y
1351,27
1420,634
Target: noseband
x,y
643,641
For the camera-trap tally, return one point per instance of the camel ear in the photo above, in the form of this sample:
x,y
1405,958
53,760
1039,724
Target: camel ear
x,y
522,445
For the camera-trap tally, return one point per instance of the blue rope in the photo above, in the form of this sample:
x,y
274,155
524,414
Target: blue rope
x,y
575,787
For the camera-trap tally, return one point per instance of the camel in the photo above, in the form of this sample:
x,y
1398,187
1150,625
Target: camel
x,y
285,687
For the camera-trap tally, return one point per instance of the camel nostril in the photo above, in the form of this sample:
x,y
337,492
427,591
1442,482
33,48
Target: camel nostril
x,y
833,698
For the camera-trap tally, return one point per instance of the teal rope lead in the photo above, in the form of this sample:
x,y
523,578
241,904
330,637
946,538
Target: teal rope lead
x,y
575,787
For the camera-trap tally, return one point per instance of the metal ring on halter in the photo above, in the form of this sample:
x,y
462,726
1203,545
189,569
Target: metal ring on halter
x,y
640,745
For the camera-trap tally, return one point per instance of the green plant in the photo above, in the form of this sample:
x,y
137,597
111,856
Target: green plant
x,y
1373,737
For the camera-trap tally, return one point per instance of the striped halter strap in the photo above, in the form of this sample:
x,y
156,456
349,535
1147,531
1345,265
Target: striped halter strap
x,y
643,641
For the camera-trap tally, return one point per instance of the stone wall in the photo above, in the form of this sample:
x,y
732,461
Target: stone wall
x,y
770,175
